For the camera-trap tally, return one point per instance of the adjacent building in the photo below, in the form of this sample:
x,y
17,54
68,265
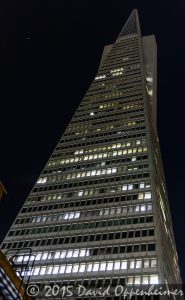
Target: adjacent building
x,y
2,191
98,214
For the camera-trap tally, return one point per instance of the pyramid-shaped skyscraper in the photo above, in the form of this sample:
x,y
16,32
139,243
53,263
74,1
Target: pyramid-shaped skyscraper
x,y
98,214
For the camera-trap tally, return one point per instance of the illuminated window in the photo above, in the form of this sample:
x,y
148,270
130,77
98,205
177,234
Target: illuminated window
x,y
141,196
137,280
130,186
153,262
82,252
132,264
69,253
109,266
102,266
63,254
57,254
137,207
118,210
124,187
148,195
141,185
112,211
89,267
130,280
71,215
49,269
38,256
80,193
95,267
154,279
62,269
116,265
75,268
100,77
45,255
145,279
76,253
106,212
77,214
146,263
20,258
68,269
42,180
55,270
82,268
143,207
149,206
36,270
138,263
124,264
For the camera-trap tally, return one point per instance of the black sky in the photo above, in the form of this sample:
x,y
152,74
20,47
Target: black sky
x,y
49,54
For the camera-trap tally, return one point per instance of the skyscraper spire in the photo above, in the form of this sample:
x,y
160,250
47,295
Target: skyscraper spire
x,y
132,25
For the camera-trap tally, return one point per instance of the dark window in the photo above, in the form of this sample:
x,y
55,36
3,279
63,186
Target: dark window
x,y
151,247
143,247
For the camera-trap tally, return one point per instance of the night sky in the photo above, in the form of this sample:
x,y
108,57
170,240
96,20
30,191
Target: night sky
x,y
49,55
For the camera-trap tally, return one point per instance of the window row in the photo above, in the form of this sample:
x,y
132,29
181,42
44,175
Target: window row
x,y
104,130
102,93
118,235
112,146
117,71
113,84
78,203
104,163
114,81
92,267
84,144
100,131
108,105
71,143
123,93
118,51
81,239
88,213
128,41
108,85
103,109
106,116
124,69
100,98
58,217
90,101
89,225
98,156
92,173
97,113
72,253
99,164
117,62
114,189
103,180
120,108
98,191
109,92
